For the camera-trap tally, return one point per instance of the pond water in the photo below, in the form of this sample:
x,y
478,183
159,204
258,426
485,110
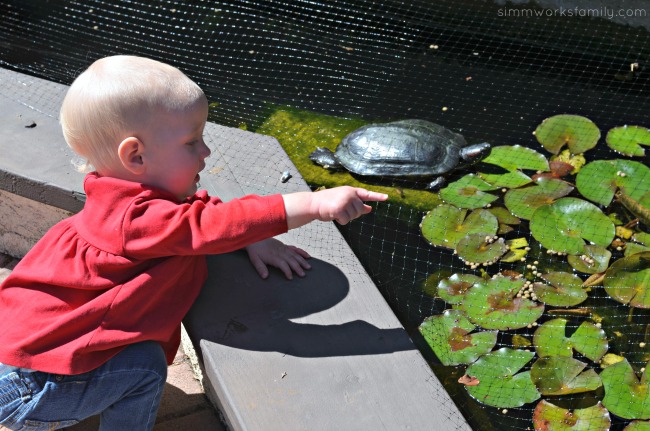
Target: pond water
x,y
492,71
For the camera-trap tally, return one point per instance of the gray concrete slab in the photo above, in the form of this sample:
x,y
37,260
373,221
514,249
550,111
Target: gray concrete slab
x,y
320,353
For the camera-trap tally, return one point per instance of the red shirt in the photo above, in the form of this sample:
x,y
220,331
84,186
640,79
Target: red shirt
x,y
125,269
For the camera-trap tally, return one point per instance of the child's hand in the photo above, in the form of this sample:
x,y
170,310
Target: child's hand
x,y
287,258
343,204
340,203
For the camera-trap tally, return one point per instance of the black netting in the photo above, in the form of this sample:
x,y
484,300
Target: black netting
x,y
309,72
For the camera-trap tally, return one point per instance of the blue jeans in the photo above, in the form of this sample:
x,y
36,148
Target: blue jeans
x,y
125,392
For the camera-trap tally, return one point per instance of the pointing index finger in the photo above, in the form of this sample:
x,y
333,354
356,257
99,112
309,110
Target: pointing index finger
x,y
368,195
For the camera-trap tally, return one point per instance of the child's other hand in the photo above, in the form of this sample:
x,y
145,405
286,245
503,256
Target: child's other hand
x,y
343,204
286,258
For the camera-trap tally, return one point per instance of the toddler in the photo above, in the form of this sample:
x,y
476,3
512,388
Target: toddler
x,y
91,315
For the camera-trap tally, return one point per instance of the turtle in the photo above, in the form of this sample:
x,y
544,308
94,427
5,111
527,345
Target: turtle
x,y
412,150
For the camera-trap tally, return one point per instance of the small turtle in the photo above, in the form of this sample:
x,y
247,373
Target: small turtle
x,y
409,149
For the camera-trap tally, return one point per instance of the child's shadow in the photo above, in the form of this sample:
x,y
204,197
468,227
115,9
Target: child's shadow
x,y
237,308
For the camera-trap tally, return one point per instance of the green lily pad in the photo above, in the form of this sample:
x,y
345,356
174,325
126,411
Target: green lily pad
x,y
627,280
550,340
599,180
638,426
627,140
562,375
469,192
578,133
564,289
511,180
517,250
494,304
450,337
524,201
446,224
626,395
514,157
501,384
452,290
506,219
565,224
641,238
549,417
593,260
479,248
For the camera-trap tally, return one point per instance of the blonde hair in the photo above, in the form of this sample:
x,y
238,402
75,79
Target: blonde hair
x,y
115,97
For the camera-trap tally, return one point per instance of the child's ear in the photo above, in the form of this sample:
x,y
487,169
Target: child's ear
x,y
130,153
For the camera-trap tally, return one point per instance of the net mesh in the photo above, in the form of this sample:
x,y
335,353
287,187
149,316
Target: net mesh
x,y
541,344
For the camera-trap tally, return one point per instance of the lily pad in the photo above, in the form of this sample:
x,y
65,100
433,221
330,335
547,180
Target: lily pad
x,y
446,224
524,201
550,340
593,260
494,304
565,224
506,219
599,180
638,426
452,290
450,337
561,375
564,289
479,248
549,417
578,133
517,250
627,280
501,384
626,395
514,157
509,180
469,192
575,160
627,140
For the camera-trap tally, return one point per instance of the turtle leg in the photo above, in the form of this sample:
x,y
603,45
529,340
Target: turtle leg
x,y
436,184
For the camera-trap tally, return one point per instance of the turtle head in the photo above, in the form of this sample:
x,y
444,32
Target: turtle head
x,y
325,158
474,153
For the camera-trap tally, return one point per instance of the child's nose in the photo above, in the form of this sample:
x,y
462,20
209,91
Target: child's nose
x,y
205,150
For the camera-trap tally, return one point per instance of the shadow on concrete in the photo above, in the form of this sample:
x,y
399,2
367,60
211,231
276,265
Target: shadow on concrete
x,y
238,309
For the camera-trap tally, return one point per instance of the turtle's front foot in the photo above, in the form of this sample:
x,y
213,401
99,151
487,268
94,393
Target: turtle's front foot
x,y
436,184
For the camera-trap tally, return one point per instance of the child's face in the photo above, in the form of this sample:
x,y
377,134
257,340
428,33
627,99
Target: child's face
x,y
174,150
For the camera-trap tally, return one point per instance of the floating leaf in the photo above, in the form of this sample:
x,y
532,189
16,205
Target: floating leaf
x,y
450,337
511,180
561,375
579,133
494,304
627,140
626,395
638,426
640,209
523,202
550,340
479,248
518,249
627,280
452,290
565,224
446,224
593,260
575,160
549,417
502,385
563,290
599,180
513,157
468,192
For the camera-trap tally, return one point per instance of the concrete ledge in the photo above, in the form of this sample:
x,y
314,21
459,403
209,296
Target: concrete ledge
x,y
319,353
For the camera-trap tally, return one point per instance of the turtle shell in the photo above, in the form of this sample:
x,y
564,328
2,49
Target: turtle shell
x,y
407,148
